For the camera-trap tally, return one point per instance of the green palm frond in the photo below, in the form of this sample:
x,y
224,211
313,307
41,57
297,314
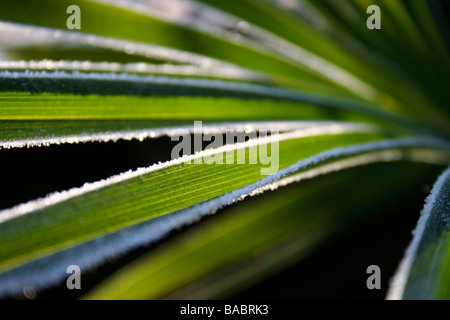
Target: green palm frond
x,y
361,119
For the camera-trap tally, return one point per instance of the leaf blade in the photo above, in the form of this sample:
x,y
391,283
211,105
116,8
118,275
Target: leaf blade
x,y
423,272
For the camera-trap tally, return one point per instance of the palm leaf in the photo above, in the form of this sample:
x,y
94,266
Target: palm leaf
x,y
263,235
423,272
341,96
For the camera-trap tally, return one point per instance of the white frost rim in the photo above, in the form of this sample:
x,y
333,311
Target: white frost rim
x,y
58,197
